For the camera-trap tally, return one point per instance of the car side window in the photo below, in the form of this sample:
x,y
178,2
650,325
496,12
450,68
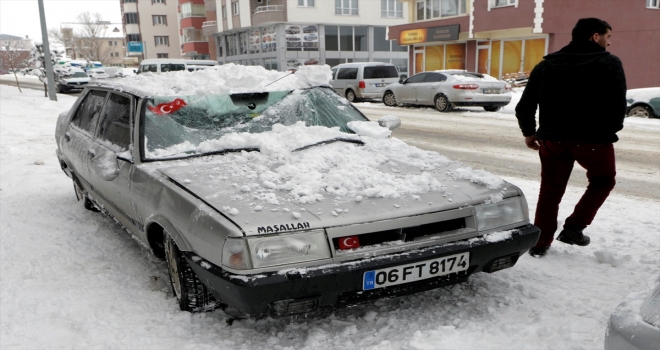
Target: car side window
x,y
334,73
149,68
434,78
89,111
418,78
115,127
347,73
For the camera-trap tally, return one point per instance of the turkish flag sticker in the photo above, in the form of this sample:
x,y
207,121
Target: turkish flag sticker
x,y
167,108
349,242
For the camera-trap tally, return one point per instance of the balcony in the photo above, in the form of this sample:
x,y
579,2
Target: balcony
x,y
267,14
209,28
209,5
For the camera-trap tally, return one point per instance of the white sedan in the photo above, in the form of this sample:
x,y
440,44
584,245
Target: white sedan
x,y
97,73
446,89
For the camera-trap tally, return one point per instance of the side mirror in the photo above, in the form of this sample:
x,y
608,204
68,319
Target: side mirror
x,y
402,78
105,165
390,121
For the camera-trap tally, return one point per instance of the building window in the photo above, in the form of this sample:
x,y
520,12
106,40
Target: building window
x,y
429,9
110,43
192,10
224,11
158,2
132,1
234,8
134,37
306,3
162,40
502,3
192,34
160,19
132,18
162,55
653,4
391,9
346,7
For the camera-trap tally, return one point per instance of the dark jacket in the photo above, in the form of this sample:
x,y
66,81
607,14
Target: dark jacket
x,y
581,93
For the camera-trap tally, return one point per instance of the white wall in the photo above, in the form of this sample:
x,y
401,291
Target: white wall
x,y
369,13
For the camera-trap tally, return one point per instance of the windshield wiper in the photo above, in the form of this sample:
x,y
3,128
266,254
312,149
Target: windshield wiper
x,y
329,141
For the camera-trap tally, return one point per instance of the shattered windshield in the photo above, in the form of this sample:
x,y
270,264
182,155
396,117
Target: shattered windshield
x,y
174,126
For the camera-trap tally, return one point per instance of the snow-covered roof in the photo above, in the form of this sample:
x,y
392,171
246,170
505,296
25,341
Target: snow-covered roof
x,y
224,79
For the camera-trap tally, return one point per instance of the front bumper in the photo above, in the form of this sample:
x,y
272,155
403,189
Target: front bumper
x,y
339,285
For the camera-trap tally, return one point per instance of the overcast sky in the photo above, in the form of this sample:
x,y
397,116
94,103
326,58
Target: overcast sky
x,y
21,17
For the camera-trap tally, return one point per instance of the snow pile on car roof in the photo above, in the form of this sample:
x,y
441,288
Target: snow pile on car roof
x,y
224,79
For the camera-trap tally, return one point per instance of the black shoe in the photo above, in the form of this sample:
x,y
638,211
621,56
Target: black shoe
x,y
573,237
538,252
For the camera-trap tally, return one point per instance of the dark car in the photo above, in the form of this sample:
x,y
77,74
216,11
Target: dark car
x,y
643,102
239,193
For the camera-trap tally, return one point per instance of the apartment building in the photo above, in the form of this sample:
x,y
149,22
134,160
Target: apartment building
x,y
283,34
152,29
505,37
194,44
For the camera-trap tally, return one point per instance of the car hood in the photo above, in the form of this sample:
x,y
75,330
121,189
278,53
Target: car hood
x,y
334,184
77,80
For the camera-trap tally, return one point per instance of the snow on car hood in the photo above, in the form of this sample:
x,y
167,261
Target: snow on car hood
x,y
330,184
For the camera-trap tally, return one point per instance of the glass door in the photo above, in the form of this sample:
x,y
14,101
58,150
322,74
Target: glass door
x,y
483,57
419,60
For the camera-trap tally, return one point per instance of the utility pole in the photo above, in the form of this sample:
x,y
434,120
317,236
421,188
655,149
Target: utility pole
x,y
47,59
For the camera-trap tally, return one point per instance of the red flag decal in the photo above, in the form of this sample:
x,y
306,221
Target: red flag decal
x,y
167,108
349,242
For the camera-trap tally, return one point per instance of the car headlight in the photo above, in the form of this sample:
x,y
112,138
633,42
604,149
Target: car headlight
x,y
275,250
506,212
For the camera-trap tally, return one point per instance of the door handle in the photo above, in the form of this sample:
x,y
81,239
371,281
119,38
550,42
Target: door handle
x,y
91,153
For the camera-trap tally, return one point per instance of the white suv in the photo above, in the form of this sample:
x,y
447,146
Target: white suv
x,y
364,80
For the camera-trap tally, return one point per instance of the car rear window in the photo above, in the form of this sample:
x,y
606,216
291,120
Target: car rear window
x,y
380,72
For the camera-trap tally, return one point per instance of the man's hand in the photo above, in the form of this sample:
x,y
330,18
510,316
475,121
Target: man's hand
x,y
531,142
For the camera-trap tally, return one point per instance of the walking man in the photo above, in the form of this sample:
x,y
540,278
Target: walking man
x,y
581,94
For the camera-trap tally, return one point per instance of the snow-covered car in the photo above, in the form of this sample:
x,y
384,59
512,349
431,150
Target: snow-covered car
x,y
274,195
446,89
71,79
635,323
97,73
644,102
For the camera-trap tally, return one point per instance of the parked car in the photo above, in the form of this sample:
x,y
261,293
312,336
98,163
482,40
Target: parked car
x,y
125,72
162,65
97,73
635,323
71,79
445,89
363,80
643,102
282,202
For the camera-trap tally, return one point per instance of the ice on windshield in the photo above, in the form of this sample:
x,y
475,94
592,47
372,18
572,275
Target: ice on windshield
x,y
181,126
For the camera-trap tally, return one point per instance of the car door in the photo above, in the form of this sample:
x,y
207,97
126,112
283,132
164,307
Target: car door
x,y
78,137
345,77
426,90
407,91
110,160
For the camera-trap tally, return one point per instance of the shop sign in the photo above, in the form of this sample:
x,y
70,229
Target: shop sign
x,y
416,36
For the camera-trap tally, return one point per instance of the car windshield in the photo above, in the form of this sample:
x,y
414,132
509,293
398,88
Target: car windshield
x,y
175,126
79,75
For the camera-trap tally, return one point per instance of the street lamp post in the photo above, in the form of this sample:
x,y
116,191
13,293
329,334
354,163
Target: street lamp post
x,y
49,65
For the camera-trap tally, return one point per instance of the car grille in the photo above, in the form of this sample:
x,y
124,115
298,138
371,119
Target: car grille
x,y
77,83
358,297
407,234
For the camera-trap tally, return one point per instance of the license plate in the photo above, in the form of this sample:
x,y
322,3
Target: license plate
x,y
415,271
491,91
381,85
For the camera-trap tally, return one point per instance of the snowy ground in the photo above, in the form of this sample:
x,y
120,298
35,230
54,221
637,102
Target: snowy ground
x,y
70,278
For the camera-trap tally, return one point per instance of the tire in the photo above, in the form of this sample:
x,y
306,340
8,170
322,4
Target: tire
x,y
640,111
350,96
441,103
492,108
389,99
191,294
87,203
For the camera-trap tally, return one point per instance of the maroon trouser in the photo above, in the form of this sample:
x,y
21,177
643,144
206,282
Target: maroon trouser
x,y
557,159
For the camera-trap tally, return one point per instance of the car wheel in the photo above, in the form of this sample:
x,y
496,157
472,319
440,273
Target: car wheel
x,y
191,294
350,96
640,111
87,203
442,104
492,108
389,99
